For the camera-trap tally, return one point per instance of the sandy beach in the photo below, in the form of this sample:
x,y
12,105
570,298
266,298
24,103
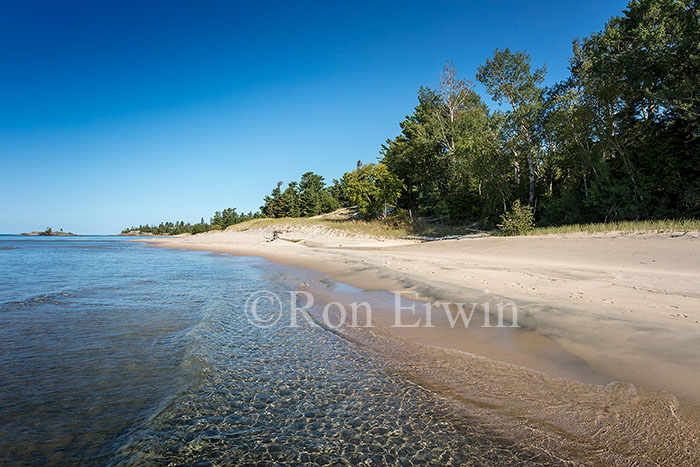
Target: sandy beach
x,y
605,364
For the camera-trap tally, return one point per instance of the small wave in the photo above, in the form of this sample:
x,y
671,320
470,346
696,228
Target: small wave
x,y
55,298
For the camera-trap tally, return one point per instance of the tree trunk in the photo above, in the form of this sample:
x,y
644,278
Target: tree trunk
x,y
531,168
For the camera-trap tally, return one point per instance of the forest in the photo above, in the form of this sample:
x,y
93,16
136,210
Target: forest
x,y
618,140
219,221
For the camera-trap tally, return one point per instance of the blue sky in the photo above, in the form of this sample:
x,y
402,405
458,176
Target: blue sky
x,y
119,113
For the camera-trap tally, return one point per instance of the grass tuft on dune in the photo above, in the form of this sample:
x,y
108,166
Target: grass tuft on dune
x,y
626,227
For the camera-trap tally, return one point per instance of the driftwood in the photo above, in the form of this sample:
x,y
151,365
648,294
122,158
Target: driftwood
x,y
275,236
293,240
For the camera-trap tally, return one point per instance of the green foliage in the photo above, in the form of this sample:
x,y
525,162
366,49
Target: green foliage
x,y
637,83
199,228
373,189
518,221
225,218
442,145
315,198
311,186
290,201
273,204
338,192
508,79
309,197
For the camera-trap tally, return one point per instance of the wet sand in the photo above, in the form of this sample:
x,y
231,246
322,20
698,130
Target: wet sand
x,y
597,313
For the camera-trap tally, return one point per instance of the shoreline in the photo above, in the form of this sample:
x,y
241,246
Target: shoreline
x,y
622,300
576,292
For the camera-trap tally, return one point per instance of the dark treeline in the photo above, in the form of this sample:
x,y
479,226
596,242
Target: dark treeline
x,y
219,221
619,139
370,187
308,197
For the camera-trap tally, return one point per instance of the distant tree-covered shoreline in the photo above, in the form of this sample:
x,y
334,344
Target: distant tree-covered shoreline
x,y
219,221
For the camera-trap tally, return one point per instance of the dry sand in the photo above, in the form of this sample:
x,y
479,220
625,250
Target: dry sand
x,y
593,309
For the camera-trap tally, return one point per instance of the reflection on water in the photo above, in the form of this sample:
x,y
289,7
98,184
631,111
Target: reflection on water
x,y
114,353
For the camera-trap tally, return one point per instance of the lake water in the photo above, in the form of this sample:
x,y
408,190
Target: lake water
x,y
115,353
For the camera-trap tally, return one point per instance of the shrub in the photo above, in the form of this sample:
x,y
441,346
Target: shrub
x,y
518,220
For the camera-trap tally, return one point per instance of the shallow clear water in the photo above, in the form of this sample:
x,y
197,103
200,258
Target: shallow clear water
x,y
116,353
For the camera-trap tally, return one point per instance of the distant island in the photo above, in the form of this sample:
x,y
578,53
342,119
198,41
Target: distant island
x,y
50,233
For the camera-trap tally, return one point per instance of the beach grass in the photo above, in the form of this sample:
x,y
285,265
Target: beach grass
x,y
626,227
